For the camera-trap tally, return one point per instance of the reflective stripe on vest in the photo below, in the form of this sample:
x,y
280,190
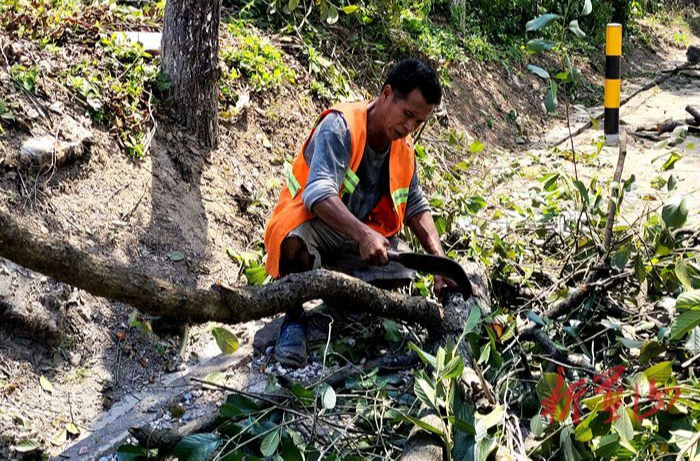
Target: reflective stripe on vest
x,y
400,196
292,183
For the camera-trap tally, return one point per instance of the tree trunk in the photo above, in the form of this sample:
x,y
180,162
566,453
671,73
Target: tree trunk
x,y
103,278
190,60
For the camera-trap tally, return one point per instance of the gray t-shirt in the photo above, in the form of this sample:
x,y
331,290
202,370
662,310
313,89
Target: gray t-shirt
x,y
328,155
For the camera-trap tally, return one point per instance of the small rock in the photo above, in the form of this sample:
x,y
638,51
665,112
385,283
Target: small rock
x,y
269,350
75,359
187,396
56,107
268,370
169,136
149,40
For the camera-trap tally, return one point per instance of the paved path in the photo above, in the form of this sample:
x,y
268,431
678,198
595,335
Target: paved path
x,y
667,100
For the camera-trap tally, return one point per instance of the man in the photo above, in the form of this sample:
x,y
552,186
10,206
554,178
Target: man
x,y
352,187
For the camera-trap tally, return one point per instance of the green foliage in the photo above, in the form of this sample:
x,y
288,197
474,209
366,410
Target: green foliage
x,y
255,58
120,88
5,115
24,77
59,22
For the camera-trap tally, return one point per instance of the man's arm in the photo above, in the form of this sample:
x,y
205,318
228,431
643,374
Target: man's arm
x,y
423,226
373,246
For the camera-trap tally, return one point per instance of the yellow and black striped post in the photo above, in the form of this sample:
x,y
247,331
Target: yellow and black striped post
x,y
613,56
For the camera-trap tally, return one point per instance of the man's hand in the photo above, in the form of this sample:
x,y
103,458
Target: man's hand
x,y
440,282
373,248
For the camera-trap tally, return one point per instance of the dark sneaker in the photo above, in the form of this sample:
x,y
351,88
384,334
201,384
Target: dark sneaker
x,y
290,349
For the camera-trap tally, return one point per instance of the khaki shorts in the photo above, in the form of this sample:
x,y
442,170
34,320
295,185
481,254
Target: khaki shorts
x,y
335,251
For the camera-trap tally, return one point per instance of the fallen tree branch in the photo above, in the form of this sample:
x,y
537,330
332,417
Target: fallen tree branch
x,y
537,335
101,277
166,439
694,111
614,193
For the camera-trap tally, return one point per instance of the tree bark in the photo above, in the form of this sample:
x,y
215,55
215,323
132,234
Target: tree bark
x,y
190,60
103,278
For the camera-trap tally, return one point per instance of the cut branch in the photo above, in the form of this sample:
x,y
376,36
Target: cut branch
x,y
103,278
614,193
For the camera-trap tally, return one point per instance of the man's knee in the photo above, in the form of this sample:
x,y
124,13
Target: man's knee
x,y
295,257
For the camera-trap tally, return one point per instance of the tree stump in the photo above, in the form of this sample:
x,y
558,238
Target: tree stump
x,y
190,60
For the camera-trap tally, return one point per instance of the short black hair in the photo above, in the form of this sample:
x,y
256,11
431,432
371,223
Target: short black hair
x,y
410,74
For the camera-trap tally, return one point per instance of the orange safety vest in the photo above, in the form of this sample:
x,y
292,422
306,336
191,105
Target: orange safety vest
x,y
386,218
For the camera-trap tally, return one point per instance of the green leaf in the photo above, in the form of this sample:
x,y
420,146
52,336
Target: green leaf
x,y
587,8
540,72
623,424
476,146
45,384
535,318
392,332
649,350
671,184
550,101
485,353
462,425
226,340
176,256
622,256
659,373
350,9
424,356
684,323
540,22
256,275
424,390
475,203
538,45
453,369
552,391
473,320
215,377
608,445
574,27
671,161
681,270
584,432
72,429
692,345
269,444
306,396
538,425
292,5
60,437
25,446
675,213
690,300
196,447
328,397
583,191
423,425
237,406
486,422
135,453
332,15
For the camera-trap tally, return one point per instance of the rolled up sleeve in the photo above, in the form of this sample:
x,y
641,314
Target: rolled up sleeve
x,y
328,156
417,203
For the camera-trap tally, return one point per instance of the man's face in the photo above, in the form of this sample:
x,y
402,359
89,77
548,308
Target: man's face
x,y
404,115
